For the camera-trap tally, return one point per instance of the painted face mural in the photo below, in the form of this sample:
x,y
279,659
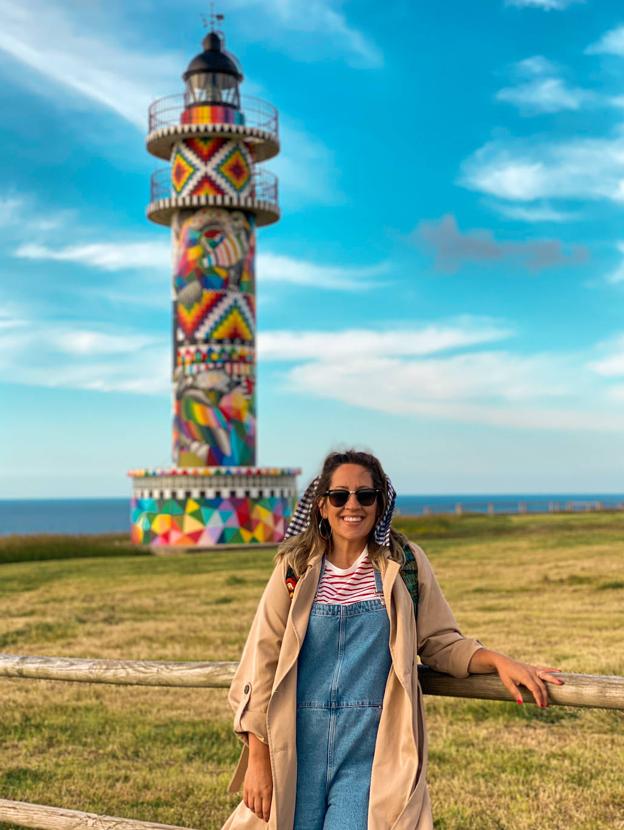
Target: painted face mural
x,y
214,423
215,249
214,314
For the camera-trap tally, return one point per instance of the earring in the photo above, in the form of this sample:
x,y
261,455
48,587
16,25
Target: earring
x,y
320,529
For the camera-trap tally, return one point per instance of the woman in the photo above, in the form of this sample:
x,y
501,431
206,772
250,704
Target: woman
x,y
326,696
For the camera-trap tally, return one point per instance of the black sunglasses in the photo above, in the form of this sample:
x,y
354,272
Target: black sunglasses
x,y
366,496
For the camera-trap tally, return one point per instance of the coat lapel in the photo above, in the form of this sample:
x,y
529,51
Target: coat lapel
x,y
297,623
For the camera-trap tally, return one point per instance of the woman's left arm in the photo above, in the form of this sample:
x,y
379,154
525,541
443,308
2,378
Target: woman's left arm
x,y
513,673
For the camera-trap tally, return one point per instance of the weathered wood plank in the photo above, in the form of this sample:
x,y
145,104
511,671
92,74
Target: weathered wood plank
x,y
599,691
42,817
118,672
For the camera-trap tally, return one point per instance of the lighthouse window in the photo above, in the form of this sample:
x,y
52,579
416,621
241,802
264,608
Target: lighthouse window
x,y
272,494
247,493
232,494
202,494
187,494
217,494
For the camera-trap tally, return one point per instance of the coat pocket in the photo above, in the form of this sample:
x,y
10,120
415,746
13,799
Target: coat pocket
x,y
242,706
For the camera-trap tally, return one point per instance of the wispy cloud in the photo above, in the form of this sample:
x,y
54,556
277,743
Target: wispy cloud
x,y
534,213
107,256
453,248
400,341
333,35
611,43
610,364
547,391
545,5
531,169
46,39
540,88
79,356
144,255
289,270
617,274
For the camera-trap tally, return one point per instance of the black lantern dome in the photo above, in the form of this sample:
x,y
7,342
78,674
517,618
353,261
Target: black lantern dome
x,y
213,76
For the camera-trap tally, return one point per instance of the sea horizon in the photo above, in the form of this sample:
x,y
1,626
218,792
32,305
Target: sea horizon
x,y
92,515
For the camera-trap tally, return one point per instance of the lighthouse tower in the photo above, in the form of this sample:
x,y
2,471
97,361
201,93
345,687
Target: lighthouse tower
x,y
214,196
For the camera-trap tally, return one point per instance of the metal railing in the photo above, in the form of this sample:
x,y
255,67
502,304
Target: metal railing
x,y
264,186
166,112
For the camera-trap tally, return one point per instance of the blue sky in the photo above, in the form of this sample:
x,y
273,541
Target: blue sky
x,y
445,286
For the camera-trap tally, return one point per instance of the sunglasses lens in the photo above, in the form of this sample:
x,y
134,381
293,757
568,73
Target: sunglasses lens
x,y
338,498
366,497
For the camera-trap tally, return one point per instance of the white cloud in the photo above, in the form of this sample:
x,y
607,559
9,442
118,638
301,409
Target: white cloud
x,y
530,169
546,5
611,363
540,88
544,95
534,213
611,43
156,255
108,256
292,19
278,268
399,341
89,62
617,275
540,391
77,357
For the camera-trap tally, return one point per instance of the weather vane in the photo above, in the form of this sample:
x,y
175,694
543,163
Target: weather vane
x,y
215,18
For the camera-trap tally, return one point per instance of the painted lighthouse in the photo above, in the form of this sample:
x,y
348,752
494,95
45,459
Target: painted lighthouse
x,y
214,195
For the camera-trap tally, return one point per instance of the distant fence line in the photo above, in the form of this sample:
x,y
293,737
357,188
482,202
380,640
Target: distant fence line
x,y
504,508
596,691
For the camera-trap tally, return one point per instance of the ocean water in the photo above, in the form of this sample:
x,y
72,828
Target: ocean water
x,y
23,516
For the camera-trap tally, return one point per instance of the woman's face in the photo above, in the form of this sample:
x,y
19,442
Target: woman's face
x,y
352,522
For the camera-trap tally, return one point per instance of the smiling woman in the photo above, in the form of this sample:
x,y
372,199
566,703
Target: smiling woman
x,y
326,696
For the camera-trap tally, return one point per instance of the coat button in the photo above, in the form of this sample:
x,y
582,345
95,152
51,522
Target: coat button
x,y
247,688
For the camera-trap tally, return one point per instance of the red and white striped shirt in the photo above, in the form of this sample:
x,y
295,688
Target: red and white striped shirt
x,y
348,585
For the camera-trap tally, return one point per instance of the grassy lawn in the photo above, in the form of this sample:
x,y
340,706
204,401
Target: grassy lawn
x,y
547,589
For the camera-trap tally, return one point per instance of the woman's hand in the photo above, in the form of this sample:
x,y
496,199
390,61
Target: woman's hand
x,y
513,673
258,782
534,678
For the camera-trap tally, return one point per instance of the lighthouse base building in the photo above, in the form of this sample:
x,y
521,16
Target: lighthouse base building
x,y
212,506
213,195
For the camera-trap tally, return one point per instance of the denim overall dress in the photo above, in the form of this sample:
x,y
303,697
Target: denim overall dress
x,y
342,670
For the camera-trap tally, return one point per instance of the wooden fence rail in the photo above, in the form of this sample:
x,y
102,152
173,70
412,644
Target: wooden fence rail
x,y
597,691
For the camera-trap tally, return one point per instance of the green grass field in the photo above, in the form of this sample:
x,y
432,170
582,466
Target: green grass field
x,y
547,589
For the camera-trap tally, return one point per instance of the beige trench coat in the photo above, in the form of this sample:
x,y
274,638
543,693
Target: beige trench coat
x,y
263,695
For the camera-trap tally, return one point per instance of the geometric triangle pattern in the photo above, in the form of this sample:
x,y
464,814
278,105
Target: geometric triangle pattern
x,y
191,316
205,166
210,521
217,316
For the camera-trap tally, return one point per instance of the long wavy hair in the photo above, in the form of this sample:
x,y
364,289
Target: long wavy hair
x,y
298,550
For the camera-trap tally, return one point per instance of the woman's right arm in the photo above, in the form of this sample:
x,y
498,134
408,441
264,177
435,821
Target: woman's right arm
x,y
252,684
